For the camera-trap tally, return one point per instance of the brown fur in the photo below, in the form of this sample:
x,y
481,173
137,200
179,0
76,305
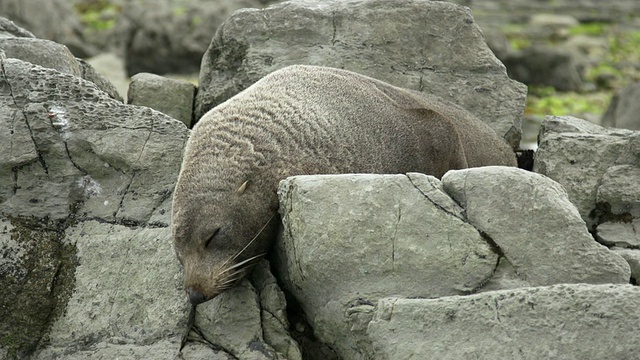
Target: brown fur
x,y
304,120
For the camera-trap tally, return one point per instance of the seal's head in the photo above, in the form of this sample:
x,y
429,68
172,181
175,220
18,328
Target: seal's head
x,y
223,221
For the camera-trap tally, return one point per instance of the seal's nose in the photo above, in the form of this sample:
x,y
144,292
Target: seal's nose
x,y
195,296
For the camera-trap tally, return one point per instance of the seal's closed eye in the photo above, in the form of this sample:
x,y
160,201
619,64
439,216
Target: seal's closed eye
x,y
208,241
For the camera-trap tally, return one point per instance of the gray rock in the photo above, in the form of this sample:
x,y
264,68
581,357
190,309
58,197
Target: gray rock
x,y
355,35
202,351
42,52
127,299
351,239
246,322
171,36
538,230
546,66
633,258
36,274
585,158
89,73
54,20
623,111
8,30
85,182
620,190
562,321
619,233
169,96
233,320
55,56
275,323
75,148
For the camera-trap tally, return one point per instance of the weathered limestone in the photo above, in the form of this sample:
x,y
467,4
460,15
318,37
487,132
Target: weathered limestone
x,y
633,258
77,168
530,219
88,269
576,321
19,44
127,297
249,320
435,47
598,167
350,240
169,96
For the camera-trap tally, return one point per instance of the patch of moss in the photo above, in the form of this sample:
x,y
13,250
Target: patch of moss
x,y
619,67
590,29
98,15
516,36
624,46
196,21
179,11
547,101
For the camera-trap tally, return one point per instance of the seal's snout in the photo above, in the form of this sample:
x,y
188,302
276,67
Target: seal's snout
x,y
195,297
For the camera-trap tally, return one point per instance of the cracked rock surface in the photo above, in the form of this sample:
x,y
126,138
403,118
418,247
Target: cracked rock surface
x,y
577,321
85,186
599,167
537,229
351,240
448,58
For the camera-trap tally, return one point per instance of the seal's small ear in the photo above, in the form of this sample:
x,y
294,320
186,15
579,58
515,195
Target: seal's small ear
x,y
242,188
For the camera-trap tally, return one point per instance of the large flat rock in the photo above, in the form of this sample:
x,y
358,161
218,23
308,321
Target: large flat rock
x,y
557,322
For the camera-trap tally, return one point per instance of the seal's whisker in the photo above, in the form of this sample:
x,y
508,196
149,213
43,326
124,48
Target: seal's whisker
x,y
250,242
231,276
241,263
229,283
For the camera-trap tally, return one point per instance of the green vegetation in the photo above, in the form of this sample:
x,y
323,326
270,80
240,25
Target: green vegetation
x,y
516,36
179,11
618,67
591,29
547,101
98,15
609,71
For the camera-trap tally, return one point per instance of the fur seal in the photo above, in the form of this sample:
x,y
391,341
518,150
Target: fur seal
x,y
304,120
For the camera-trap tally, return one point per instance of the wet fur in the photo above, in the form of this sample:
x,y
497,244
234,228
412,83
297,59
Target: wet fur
x,y
305,120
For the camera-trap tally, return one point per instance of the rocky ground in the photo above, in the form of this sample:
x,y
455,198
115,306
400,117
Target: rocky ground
x,y
483,263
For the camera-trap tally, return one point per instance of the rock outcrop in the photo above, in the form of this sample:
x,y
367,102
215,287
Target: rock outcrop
x,y
85,185
351,240
20,44
599,168
624,110
448,58
553,322
169,96
54,20
382,266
